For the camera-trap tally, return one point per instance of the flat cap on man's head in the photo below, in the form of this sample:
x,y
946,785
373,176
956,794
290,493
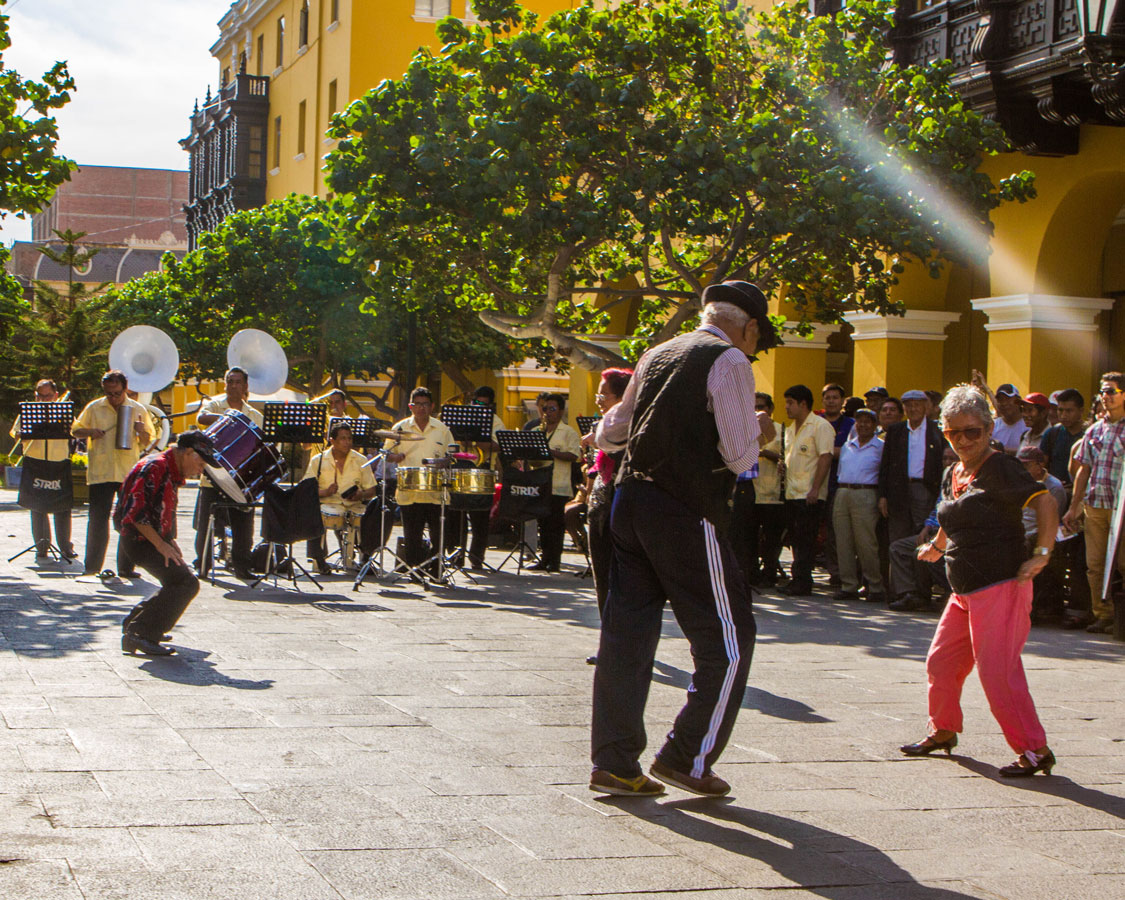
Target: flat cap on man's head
x,y
750,299
914,395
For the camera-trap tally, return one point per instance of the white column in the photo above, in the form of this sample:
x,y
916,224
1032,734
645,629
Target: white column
x,y
1046,311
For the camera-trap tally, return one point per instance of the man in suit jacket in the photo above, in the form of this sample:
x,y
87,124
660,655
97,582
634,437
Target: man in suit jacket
x,y
911,468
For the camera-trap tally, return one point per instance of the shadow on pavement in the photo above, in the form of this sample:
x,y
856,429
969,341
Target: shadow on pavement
x,y
190,666
805,854
1051,785
753,698
46,623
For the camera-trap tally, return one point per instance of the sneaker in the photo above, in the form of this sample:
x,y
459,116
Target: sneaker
x,y
602,781
710,785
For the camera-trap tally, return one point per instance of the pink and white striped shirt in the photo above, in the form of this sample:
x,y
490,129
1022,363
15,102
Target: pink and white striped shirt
x,y
730,398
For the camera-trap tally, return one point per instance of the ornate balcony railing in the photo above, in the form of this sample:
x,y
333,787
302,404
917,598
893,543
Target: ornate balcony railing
x,y
228,153
1041,68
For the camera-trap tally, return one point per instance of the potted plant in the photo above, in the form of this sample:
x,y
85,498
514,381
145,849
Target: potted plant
x,y
78,463
12,472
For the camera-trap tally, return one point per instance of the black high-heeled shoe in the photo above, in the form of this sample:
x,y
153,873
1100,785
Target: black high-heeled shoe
x,y
1044,764
929,745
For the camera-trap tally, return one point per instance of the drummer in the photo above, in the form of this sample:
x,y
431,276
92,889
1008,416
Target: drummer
x,y
490,459
345,483
241,521
433,441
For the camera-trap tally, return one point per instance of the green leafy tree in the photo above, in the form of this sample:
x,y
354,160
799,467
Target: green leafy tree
x,y
281,269
643,152
62,334
30,170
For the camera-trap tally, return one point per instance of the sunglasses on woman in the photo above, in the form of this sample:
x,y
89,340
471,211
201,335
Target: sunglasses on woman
x,y
969,434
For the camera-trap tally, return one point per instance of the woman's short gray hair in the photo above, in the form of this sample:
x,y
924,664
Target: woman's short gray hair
x,y
721,313
966,400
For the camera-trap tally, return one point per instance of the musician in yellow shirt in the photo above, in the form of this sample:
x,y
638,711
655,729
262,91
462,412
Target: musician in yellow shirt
x,y
46,391
107,465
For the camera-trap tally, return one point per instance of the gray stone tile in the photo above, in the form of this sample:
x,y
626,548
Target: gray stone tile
x,y
49,879
402,875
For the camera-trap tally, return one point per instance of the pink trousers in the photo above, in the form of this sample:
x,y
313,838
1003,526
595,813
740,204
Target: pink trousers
x,y
987,628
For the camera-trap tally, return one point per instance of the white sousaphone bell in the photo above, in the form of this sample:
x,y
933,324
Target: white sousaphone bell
x,y
150,361
262,358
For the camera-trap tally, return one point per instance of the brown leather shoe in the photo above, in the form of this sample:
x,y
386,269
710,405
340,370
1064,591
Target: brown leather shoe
x,y
710,785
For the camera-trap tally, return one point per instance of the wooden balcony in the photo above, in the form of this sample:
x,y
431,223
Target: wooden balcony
x,y
1029,64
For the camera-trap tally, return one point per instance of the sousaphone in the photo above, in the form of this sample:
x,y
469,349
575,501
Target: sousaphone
x,y
262,358
150,361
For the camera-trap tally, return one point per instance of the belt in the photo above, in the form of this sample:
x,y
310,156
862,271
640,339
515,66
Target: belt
x,y
857,487
917,480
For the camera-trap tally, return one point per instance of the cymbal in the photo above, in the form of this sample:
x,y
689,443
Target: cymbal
x,y
387,434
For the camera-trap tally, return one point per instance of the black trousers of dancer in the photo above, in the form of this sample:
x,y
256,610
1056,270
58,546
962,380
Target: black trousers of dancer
x,y
153,617
804,526
102,496
665,552
241,530
552,533
41,532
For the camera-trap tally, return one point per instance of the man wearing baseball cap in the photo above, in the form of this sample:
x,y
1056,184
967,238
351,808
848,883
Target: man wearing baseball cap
x,y
688,425
1008,426
1036,416
146,519
874,398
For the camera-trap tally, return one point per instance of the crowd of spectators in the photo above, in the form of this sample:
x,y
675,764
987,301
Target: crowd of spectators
x,y
852,487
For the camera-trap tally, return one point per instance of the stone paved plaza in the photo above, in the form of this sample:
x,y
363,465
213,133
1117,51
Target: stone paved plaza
x,y
395,743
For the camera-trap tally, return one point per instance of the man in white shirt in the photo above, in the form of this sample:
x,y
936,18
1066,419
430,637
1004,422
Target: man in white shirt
x,y
241,521
344,480
1008,427
419,511
855,512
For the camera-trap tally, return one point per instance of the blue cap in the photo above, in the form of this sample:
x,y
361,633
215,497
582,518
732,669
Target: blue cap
x,y
914,395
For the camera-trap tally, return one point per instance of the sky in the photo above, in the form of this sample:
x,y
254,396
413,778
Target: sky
x,y
139,66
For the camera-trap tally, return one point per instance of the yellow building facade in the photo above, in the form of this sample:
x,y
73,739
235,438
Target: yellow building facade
x,y
1044,313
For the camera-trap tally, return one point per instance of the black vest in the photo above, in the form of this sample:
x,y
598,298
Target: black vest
x,y
673,438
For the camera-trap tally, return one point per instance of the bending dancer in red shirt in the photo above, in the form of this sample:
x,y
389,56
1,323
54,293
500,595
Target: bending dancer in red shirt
x,y
146,519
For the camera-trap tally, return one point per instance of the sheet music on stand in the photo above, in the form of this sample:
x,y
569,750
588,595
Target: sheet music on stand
x,y
531,445
468,422
46,421
362,431
586,424
298,423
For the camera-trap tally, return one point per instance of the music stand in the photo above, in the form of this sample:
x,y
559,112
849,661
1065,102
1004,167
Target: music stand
x,y
468,422
530,446
362,431
48,421
586,424
295,423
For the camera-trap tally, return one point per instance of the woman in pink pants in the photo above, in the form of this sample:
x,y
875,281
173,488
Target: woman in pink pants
x,y
989,613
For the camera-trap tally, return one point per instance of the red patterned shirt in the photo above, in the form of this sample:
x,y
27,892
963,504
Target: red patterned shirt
x,y
149,496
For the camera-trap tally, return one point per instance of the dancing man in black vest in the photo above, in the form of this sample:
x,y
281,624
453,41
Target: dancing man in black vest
x,y
689,427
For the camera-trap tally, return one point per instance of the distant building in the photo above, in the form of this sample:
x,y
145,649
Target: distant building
x,y
131,216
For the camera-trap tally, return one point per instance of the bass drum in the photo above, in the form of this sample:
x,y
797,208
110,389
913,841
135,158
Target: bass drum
x,y
247,465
